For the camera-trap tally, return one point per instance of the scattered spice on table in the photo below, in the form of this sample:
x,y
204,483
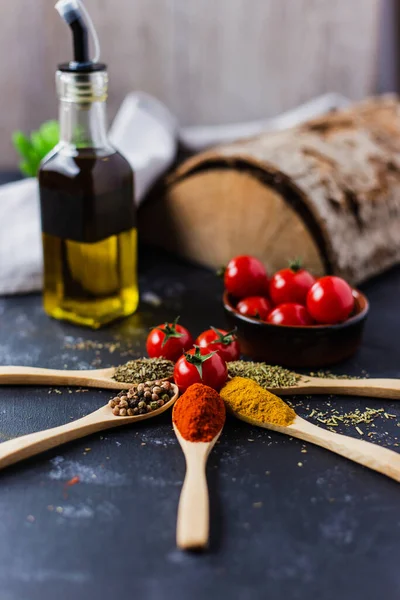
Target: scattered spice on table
x,y
142,398
73,481
111,347
144,369
247,398
332,417
267,376
199,414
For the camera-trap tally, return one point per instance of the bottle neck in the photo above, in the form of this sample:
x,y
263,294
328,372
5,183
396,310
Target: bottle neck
x,y
83,125
83,110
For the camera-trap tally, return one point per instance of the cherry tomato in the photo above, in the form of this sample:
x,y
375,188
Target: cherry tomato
x,y
245,276
223,342
330,300
291,285
168,340
255,306
200,366
290,314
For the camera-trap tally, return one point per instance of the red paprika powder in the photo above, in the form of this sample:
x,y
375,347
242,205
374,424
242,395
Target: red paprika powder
x,y
199,414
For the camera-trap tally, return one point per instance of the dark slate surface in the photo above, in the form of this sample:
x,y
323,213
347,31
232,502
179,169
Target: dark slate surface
x,y
325,530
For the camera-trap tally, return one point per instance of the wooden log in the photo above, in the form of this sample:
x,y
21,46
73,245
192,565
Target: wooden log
x,y
328,191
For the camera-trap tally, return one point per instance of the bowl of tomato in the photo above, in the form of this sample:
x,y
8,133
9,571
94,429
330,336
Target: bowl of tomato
x,y
305,345
293,319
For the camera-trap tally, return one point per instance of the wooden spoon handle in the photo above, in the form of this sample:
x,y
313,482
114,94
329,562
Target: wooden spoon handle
x,y
370,455
38,376
193,512
374,388
25,446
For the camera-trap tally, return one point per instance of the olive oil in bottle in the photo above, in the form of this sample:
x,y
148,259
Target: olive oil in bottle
x,y
87,202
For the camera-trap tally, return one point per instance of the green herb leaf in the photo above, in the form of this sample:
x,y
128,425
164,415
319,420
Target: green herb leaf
x,y
33,149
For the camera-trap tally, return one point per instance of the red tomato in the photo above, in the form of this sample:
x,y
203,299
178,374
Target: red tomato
x,y
200,366
330,300
223,342
290,314
291,285
255,306
169,340
245,276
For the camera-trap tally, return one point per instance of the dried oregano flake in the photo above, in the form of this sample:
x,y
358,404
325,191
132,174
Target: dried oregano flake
x,y
144,369
267,376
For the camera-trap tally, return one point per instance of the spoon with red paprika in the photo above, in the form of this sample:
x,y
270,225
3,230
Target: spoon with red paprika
x,y
198,418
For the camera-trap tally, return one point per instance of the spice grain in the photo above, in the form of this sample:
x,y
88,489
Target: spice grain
x,y
141,399
199,414
144,369
268,376
247,398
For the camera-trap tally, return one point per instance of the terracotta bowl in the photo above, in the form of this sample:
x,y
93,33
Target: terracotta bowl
x,y
312,346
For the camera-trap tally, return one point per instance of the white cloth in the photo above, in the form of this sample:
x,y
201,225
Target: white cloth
x,y
20,238
147,134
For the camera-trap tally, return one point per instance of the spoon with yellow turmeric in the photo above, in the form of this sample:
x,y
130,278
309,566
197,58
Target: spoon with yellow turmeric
x,y
250,402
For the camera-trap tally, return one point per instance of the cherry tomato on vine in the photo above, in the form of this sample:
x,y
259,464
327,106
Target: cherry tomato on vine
x,y
291,285
223,342
290,314
255,306
168,340
330,300
245,276
200,366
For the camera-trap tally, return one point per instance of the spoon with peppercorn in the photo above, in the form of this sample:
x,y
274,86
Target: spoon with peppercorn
x,y
140,402
116,378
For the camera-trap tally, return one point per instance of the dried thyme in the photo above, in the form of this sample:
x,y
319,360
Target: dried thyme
x,y
144,369
354,418
268,376
329,375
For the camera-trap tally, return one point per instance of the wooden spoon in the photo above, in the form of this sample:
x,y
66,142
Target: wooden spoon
x,y
97,378
193,524
25,446
369,455
102,378
374,388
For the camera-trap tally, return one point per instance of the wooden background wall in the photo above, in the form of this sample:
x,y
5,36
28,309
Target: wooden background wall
x,y
210,61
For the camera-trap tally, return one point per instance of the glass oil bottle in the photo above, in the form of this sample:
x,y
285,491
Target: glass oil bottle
x,y
87,199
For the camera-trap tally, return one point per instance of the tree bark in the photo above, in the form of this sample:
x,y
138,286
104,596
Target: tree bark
x,y
328,191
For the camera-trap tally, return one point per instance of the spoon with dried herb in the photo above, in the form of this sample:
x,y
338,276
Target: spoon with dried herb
x,y
270,377
283,382
18,449
117,378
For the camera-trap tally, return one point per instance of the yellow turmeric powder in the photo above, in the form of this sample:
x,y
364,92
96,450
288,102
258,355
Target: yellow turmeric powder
x,y
247,398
